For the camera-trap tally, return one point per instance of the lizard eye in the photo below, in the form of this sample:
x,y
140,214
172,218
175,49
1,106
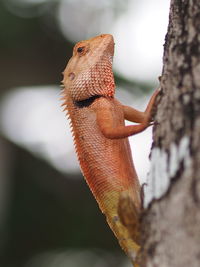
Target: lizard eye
x,y
80,49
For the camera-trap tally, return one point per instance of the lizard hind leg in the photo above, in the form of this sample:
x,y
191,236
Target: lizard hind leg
x,y
130,217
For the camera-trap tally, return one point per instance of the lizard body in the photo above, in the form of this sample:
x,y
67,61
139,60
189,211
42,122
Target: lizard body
x,y
100,135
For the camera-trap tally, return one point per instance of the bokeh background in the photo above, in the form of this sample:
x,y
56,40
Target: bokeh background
x,y
48,217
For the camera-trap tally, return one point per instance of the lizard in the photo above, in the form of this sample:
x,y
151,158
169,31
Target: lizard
x,y
97,120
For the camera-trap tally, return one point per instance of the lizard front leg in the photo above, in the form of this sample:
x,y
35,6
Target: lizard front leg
x,y
106,122
134,115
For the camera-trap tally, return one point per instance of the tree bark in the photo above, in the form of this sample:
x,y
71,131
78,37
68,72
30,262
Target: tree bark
x,y
171,221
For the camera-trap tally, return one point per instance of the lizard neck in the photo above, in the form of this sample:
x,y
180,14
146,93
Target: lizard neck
x,y
86,102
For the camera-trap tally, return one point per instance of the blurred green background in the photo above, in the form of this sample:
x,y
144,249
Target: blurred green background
x,y
48,216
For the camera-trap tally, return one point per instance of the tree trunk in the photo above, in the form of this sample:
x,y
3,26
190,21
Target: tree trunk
x,y
171,222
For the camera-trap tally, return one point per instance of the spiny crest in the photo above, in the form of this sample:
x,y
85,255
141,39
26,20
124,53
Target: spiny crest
x,y
64,104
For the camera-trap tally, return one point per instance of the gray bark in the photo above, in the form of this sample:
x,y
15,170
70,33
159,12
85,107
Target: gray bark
x,y
171,222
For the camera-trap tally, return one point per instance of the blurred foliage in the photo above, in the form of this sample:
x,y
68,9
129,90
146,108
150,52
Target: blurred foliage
x,y
48,211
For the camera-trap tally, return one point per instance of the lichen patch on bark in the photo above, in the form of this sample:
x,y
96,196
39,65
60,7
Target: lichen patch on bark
x,y
164,167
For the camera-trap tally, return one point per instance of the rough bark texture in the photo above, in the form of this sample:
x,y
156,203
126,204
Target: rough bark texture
x,y
171,224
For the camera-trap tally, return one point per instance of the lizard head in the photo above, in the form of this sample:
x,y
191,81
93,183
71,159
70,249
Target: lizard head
x,y
89,71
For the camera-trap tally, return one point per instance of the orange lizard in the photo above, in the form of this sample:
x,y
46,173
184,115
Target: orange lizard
x,y
100,135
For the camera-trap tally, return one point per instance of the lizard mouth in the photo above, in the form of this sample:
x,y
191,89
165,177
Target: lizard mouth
x,y
86,102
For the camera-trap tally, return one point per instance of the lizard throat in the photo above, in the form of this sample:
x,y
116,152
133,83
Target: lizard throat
x,y
86,102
